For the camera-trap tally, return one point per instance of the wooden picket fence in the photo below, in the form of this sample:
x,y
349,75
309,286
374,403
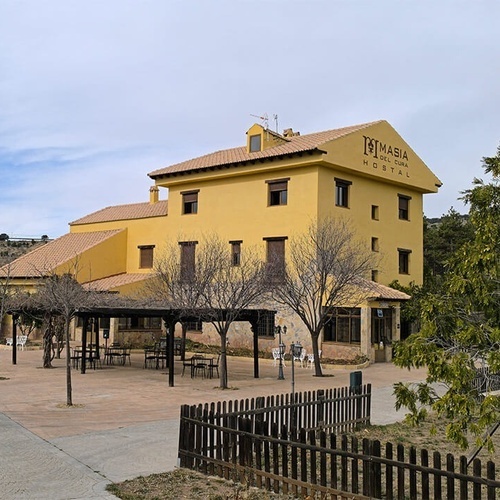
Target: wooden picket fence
x,y
274,444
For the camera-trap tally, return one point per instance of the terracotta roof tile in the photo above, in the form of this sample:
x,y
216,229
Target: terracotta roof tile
x,y
378,291
125,212
47,257
294,144
112,282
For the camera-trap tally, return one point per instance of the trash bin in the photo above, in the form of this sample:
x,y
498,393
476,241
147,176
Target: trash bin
x,y
356,379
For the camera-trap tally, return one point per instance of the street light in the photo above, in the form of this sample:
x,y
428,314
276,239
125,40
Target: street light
x,y
295,351
278,330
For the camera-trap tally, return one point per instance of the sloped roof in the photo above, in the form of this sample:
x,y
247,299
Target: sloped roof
x,y
125,212
378,291
226,157
111,282
44,259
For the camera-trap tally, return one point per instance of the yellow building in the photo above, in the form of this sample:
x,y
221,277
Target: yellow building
x,y
256,196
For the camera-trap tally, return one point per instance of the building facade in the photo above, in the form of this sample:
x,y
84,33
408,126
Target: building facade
x,y
257,196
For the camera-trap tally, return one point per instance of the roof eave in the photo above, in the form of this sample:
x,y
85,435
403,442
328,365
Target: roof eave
x,y
245,162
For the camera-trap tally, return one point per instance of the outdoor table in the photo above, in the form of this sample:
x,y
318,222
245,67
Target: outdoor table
x,y
117,352
200,364
90,356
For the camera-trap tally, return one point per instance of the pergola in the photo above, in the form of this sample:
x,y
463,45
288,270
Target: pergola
x,y
259,319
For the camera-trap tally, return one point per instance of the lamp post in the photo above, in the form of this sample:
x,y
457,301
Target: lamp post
x,y
280,329
295,350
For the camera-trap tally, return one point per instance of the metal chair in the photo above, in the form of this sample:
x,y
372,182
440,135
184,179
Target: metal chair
x,y
310,359
277,355
200,365
301,358
213,366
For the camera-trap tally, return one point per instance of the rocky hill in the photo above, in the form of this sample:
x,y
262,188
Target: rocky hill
x,y
12,249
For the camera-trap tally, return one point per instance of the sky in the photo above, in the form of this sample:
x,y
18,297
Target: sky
x,y
95,94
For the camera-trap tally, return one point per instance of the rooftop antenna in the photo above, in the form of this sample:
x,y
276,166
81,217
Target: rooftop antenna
x,y
264,118
276,122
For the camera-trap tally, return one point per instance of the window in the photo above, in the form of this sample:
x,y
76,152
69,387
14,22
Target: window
x,y
375,275
190,202
146,256
374,212
375,247
193,326
265,325
235,253
278,192
255,143
342,193
275,265
344,326
136,323
404,207
404,261
187,260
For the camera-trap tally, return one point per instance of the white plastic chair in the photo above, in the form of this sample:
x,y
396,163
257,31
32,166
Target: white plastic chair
x,y
310,359
277,355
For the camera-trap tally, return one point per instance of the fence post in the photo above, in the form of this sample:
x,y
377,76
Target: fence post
x,y
321,408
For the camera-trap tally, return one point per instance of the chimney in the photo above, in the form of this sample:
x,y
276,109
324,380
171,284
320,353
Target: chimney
x,y
288,132
154,194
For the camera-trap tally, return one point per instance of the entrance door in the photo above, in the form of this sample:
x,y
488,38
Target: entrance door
x,y
381,326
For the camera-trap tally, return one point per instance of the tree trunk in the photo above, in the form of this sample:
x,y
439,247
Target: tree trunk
x,y
317,362
69,398
223,360
47,347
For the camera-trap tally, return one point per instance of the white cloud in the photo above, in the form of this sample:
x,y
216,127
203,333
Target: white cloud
x,y
94,95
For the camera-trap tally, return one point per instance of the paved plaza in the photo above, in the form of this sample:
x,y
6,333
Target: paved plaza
x,y
124,422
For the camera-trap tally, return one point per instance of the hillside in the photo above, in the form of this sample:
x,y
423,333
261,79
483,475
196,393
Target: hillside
x,y
12,249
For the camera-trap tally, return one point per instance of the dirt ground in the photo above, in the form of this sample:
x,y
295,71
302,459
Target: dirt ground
x,y
184,484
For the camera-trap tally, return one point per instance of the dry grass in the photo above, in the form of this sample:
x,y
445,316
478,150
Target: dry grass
x,y
184,484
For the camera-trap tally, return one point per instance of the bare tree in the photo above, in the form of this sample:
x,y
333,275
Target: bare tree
x,y
216,290
63,296
325,269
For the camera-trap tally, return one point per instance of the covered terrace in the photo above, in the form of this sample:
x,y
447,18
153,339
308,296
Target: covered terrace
x,y
261,321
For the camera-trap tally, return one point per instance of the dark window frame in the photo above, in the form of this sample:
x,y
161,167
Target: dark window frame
x,y
187,260
236,252
404,207
265,326
375,212
193,326
404,261
255,143
275,258
340,319
146,256
190,202
139,323
342,193
277,192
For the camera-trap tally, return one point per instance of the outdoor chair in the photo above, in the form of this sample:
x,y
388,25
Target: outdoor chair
x,y
95,360
301,358
200,366
276,356
213,366
126,356
310,359
149,357
75,357
187,363
161,356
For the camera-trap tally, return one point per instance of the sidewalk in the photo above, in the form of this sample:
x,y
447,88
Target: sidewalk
x,y
124,422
